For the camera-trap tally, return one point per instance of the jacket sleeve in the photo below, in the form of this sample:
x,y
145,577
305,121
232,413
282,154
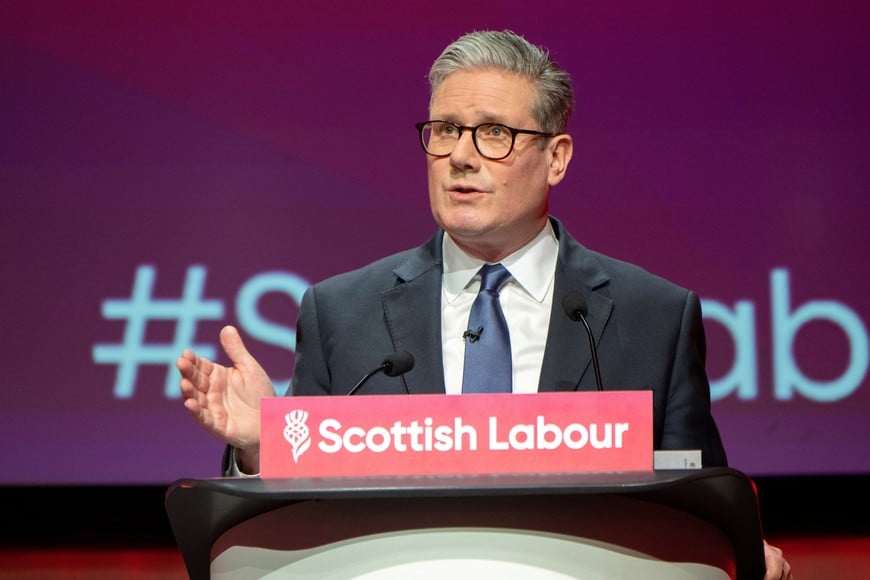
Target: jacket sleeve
x,y
688,420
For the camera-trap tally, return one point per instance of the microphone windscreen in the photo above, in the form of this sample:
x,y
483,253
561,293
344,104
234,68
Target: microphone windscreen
x,y
574,304
398,363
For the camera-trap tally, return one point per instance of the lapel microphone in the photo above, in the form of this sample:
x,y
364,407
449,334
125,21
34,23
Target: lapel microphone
x,y
473,335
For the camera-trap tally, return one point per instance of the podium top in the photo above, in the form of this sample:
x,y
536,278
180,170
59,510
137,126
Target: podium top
x,y
302,488
200,510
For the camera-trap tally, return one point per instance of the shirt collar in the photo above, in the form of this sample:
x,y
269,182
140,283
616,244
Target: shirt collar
x,y
533,266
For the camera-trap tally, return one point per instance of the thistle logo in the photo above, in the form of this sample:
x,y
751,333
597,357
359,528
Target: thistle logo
x,y
296,432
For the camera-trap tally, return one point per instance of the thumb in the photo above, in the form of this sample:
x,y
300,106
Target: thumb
x,y
231,341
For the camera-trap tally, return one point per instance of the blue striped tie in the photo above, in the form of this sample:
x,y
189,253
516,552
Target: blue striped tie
x,y
487,341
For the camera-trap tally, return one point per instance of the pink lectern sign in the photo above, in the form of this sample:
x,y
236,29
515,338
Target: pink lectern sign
x,y
456,434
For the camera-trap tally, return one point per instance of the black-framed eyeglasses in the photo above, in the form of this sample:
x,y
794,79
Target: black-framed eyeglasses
x,y
492,140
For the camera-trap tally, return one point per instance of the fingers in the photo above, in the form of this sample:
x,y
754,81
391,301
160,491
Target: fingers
x,y
193,396
186,365
197,402
778,567
195,372
224,399
231,341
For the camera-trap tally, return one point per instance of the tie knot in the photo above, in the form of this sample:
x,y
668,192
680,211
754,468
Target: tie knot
x,y
493,277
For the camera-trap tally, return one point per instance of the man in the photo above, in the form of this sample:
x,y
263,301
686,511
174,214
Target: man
x,y
495,146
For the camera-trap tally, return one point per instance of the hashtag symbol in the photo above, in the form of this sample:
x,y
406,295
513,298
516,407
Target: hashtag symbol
x,y
141,308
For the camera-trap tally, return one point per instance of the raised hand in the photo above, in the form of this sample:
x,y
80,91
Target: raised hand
x,y
225,400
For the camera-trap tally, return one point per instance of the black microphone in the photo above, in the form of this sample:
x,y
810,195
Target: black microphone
x,y
393,365
575,307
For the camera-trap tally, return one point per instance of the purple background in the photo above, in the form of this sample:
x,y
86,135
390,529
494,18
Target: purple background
x,y
713,145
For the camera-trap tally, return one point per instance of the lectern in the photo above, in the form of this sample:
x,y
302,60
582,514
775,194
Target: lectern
x,y
652,524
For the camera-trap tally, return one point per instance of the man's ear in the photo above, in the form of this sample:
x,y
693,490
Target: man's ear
x,y
561,149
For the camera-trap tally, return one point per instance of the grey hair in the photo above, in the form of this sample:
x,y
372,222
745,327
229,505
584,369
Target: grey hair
x,y
509,52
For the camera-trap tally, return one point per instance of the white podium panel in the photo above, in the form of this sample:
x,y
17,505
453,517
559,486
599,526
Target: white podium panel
x,y
458,554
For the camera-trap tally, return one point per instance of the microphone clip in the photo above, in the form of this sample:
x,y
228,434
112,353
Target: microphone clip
x,y
473,335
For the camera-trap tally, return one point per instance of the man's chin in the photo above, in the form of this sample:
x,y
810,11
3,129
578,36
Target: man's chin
x,y
465,230
464,222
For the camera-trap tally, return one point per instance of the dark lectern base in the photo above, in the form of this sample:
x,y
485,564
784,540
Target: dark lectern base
x,y
692,524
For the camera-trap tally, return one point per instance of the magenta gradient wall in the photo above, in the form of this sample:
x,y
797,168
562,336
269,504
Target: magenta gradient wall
x,y
167,169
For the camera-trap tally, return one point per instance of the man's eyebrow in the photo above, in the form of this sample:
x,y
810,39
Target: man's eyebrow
x,y
483,120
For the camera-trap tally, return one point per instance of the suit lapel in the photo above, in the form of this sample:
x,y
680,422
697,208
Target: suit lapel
x,y
567,357
412,310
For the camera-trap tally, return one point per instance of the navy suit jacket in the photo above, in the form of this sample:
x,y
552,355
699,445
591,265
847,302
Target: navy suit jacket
x,y
648,331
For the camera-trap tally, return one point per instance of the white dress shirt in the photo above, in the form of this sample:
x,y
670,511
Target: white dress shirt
x,y
526,301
